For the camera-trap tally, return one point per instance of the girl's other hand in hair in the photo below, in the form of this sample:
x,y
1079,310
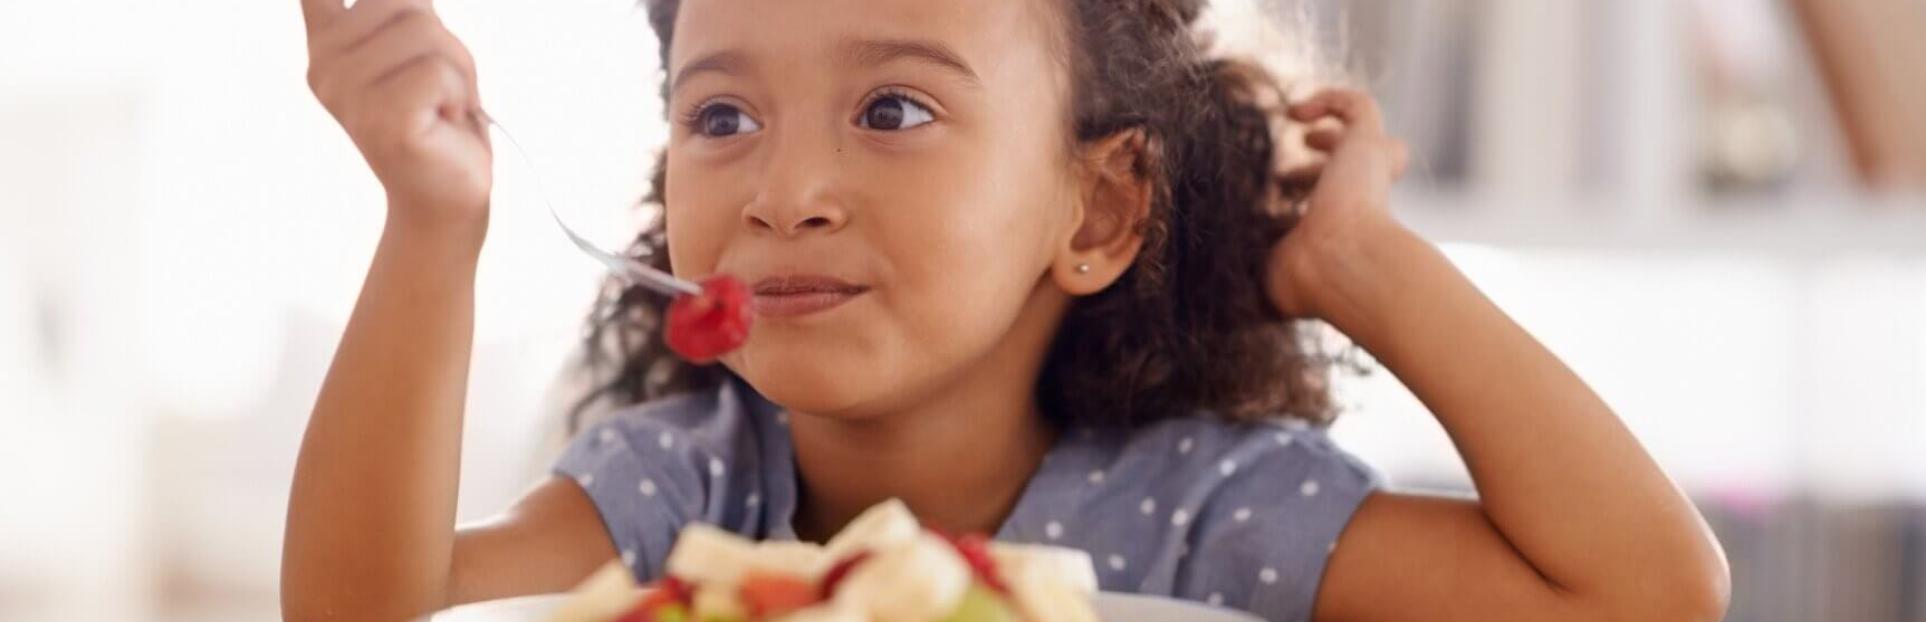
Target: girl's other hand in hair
x,y
1347,208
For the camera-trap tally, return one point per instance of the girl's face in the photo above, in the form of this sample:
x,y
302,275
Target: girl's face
x,y
912,150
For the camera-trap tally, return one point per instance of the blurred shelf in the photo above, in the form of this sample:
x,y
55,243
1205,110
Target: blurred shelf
x,y
1799,227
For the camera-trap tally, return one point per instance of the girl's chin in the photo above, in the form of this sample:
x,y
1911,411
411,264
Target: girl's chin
x,y
814,398
815,384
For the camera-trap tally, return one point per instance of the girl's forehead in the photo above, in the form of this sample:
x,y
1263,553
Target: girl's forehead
x,y
981,35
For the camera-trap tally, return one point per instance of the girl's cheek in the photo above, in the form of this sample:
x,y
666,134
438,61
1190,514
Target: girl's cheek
x,y
699,225
695,241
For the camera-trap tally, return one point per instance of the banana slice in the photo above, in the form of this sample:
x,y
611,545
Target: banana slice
x,y
705,554
918,581
800,559
1048,583
1072,567
885,525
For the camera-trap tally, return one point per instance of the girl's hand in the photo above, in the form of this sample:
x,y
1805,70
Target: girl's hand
x,y
1347,208
404,88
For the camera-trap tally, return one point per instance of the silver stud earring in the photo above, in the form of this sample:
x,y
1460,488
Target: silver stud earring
x,y
1083,268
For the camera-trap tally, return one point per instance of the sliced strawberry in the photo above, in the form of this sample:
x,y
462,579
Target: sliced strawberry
x,y
975,551
682,591
702,328
839,572
771,595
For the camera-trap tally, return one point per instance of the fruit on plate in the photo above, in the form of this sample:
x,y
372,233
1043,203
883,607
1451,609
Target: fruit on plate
x,y
883,567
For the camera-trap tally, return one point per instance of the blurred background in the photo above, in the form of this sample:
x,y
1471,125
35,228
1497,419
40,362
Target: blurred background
x,y
1715,210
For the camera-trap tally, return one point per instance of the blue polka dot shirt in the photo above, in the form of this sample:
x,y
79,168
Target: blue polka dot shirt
x,y
1238,515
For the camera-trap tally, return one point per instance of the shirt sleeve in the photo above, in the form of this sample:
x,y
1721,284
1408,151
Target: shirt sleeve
x,y
647,478
1270,527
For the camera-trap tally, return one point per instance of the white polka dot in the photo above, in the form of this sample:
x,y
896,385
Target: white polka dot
x,y
648,488
1096,477
752,500
666,441
607,436
1284,438
1267,575
1227,467
1148,507
715,467
1183,446
782,417
1331,548
1179,517
1242,514
585,480
1117,563
1216,599
628,558
1309,489
1054,530
1296,425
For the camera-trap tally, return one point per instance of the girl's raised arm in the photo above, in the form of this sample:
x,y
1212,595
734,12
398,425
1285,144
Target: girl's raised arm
x,y
1574,520
370,532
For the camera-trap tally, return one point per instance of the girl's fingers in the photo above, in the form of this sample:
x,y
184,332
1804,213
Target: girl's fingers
x,y
400,43
319,14
1303,173
412,100
428,85
1357,110
1324,139
360,24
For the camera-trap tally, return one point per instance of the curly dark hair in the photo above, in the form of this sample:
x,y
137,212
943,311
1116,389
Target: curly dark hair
x,y
1187,328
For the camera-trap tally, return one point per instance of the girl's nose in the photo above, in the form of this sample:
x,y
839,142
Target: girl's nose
x,y
791,219
798,195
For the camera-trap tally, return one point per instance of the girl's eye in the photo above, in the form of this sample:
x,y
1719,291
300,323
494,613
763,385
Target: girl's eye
x,y
895,112
723,120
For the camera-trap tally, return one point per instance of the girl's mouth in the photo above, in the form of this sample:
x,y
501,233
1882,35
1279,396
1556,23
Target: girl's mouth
x,y
798,295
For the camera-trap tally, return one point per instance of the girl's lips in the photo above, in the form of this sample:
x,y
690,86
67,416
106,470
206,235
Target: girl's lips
x,y
800,295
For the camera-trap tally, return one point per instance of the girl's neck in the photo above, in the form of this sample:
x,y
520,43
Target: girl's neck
x,y
960,457
961,469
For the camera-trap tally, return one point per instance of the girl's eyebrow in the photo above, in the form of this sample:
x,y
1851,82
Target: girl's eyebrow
x,y
861,52
872,52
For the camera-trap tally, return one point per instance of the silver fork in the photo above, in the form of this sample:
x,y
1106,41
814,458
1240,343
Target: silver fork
x,y
630,270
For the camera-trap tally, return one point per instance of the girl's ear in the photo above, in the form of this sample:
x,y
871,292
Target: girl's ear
x,y
1106,233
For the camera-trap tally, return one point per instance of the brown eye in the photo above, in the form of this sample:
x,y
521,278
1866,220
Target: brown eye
x,y
723,120
895,112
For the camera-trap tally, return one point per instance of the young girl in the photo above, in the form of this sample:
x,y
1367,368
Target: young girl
x,y
1027,265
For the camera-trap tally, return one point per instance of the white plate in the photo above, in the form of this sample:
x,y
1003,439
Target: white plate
x,y
1130,607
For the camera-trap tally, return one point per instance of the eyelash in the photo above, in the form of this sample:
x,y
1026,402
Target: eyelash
x,y
891,92
692,117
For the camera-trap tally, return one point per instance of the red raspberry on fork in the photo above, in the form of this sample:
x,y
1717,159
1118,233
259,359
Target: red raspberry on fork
x,y
702,328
